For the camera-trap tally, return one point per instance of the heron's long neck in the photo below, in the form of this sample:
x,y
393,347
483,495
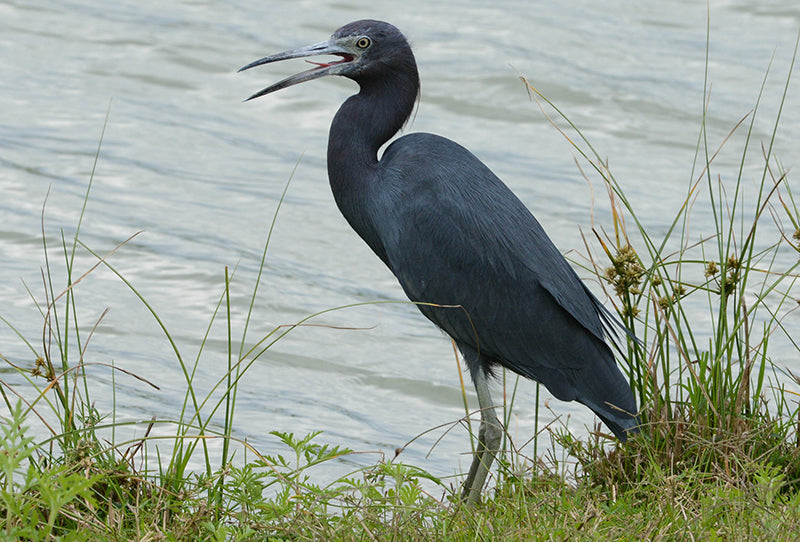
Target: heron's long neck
x,y
365,122
361,126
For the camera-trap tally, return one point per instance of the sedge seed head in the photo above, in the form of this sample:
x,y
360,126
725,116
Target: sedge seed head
x,y
625,273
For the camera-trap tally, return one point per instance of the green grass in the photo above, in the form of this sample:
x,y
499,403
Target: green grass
x,y
718,457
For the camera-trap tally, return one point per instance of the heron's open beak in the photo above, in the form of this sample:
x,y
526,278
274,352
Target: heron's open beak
x,y
329,47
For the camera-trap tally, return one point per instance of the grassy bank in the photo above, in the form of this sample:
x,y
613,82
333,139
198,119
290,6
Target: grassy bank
x,y
718,457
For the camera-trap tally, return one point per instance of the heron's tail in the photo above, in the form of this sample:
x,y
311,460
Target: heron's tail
x,y
622,424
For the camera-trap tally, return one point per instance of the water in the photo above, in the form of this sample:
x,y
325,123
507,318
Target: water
x,y
200,174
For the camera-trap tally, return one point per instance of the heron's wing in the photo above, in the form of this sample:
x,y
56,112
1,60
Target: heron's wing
x,y
460,237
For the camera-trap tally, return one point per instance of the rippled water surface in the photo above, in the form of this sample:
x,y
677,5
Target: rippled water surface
x,y
200,174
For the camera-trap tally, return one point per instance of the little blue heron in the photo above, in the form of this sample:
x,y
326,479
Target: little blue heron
x,y
462,245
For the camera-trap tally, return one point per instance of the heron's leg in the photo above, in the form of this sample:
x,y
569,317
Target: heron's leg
x,y
489,436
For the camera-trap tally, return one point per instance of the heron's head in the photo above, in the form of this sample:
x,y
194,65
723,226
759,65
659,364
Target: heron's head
x,y
366,49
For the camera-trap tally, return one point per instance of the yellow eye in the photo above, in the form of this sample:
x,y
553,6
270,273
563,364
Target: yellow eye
x,y
363,43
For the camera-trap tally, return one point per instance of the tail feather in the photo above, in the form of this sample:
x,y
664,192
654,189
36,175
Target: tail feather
x,y
622,425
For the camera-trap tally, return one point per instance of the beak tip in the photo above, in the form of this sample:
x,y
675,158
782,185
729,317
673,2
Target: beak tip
x,y
261,93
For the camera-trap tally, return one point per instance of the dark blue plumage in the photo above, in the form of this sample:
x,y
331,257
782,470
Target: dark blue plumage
x,y
460,243
473,243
